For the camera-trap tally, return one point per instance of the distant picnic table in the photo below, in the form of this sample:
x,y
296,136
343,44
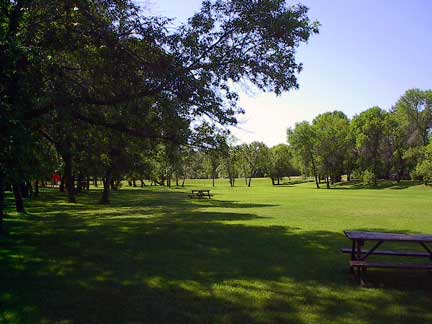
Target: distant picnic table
x,y
200,194
359,256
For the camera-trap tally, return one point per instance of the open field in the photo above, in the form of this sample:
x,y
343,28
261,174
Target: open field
x,y
262,254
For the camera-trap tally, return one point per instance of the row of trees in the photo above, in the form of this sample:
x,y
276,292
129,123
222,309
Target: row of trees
x,y
243,161
374,144
97,89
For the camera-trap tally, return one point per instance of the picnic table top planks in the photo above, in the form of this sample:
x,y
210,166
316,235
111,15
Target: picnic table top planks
x,y
200,193
393,237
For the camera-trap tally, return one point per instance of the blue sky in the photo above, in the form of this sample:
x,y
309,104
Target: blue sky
x,y
368,53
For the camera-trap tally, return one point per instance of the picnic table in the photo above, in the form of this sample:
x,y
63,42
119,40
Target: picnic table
x,y
359,256
200,194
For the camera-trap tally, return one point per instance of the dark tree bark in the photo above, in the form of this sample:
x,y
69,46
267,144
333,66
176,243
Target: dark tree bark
x,y
106,191
19,203
273,181
36,191
79,183
87,183
70,187
62,184
2,182
134,183
183,182
24,189
315,173
142,183
95,181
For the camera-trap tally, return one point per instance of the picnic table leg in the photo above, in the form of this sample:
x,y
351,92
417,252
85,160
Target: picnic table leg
x,y
359,270
353,249
428,250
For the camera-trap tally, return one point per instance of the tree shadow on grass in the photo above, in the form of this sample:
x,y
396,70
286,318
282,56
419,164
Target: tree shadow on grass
x,y
381,184
185,265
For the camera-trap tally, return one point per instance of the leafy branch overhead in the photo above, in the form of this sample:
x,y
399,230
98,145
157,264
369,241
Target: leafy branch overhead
x,y
95,78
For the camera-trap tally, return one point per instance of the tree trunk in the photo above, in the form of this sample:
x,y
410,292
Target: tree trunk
x,y
273,181
95,181
29,189
24,189
278,181
36,191
79,183
2,181
19,203
317,181
69,179
249,182
87,183
106,190
142,183
183,182
213,180
177,180
62,184
327,182
134,183
315,174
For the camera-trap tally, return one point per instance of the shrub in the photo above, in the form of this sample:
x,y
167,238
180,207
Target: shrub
x,y
423,170
368,178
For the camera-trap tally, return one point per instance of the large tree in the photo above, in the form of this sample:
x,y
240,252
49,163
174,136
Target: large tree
x,y
253,157
104,63
332,131
303,140
369,129
281,164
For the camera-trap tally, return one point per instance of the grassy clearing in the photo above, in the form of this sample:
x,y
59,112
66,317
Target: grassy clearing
x,y
261,254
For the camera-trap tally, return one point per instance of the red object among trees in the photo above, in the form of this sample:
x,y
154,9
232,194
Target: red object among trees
x,y
55,178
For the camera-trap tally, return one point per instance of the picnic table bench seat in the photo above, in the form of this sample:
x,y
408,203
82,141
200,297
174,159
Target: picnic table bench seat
x,y
359,257
394,253
361,264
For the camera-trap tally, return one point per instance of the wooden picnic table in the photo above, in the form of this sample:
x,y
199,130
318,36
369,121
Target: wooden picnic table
x,y
200,193
359,256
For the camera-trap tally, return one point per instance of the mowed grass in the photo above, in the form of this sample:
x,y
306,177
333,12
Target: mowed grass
x,y
249,255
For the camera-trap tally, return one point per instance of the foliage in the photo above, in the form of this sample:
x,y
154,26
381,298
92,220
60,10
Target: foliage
x,y
281,162
92,76
368,178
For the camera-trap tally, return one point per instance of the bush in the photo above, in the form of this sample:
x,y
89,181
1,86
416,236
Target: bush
x,y
368,178
423,170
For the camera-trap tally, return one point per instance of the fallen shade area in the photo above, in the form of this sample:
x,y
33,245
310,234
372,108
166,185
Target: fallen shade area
x,y
262,254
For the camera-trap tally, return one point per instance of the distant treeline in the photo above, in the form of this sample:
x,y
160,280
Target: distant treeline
x,y
375,144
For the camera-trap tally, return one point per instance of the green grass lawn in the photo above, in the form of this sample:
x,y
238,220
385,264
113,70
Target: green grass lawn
x,y
249,255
